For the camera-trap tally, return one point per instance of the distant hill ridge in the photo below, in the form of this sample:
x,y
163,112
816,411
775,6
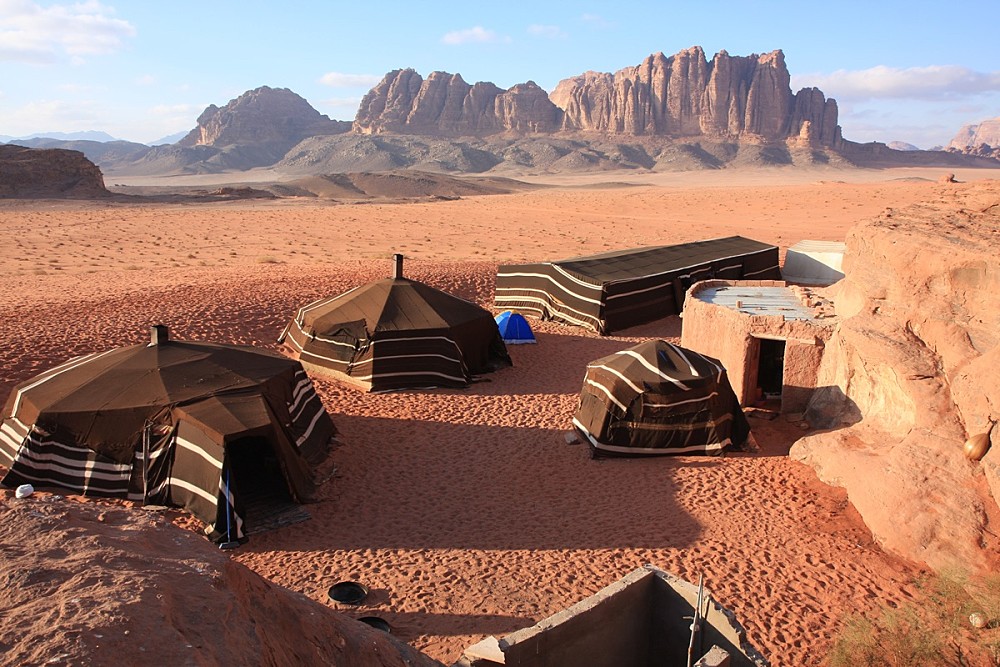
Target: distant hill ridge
x,y
667,113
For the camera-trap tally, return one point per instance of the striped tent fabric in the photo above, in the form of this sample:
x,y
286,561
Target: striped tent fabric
x,y
159,423
396,333
659,398
617,290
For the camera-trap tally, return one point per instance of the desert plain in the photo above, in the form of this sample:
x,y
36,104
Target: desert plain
x,y
465,511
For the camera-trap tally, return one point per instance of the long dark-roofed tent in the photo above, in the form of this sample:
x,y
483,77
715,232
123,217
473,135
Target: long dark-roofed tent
x,y
659,398
616,290
396,333
189,424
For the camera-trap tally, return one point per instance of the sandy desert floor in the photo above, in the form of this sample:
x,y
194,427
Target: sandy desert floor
x,y
466,512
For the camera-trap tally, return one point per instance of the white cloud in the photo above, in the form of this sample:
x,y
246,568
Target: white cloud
x,y
474,35
145,80
31,33
923,83
596,20
80,88
547,31
341,80
46,115
169,110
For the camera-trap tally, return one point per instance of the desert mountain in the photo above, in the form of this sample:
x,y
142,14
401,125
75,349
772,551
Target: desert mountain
x,y
273,117
673,113
971,136
680,96
55,172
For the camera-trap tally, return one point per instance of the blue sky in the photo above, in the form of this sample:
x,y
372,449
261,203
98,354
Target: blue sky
x,y
909,71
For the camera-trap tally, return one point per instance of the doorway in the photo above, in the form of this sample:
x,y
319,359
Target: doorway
x,y
770,369
259,482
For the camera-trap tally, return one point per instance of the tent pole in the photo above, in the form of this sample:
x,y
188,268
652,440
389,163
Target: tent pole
x,y
229,543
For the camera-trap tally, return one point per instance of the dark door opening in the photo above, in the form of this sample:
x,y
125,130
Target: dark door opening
x,y
259,481
771,368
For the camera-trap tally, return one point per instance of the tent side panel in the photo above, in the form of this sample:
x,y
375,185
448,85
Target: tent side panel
x,y
549,293
481,345
44,459
336,352
647,298
309,425
414,359
759,265
196,480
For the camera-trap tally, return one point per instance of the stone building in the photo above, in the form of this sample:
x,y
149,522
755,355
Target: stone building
x,y
770,337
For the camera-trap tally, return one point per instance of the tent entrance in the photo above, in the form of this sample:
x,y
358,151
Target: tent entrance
x,y
264,498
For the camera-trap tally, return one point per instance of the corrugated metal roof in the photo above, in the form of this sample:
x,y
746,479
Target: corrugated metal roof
x,y
758,301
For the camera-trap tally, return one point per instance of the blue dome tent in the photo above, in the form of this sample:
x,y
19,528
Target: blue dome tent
x,y
514,328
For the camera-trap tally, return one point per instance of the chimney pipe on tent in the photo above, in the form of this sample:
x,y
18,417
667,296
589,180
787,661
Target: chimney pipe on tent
x,y
398,271
158,334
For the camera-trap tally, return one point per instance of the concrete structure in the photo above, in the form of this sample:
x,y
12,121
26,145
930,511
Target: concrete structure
x,y
642,620
770,337
818,263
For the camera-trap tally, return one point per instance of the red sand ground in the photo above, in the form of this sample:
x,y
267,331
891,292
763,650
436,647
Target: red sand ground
x,y
465,511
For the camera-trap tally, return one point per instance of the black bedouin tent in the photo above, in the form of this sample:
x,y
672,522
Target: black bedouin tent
x,y
616,290
188,424
659,398
396,333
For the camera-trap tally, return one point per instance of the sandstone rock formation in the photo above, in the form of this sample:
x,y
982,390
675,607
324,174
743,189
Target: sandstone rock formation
x,y
910,374
971,136
445,105
91,584
49,172
275,118
982,150
684,95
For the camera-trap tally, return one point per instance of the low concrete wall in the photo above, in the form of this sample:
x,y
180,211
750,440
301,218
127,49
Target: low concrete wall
x,y
642,620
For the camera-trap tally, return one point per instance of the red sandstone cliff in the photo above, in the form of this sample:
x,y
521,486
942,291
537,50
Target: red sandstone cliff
x,y
445,105
684,95
910,374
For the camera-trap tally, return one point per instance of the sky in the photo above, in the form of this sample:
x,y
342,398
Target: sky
x,y
900,70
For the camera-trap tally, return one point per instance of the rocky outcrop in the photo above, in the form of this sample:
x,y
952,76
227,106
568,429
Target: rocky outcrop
x,y
681,96
982,150
87,584
910,374
684,95
445,105
274,117
48,172
972,136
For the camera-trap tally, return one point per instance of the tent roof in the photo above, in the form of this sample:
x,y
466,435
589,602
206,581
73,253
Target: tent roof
x,y
658,366
636,262
105,398
392,304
